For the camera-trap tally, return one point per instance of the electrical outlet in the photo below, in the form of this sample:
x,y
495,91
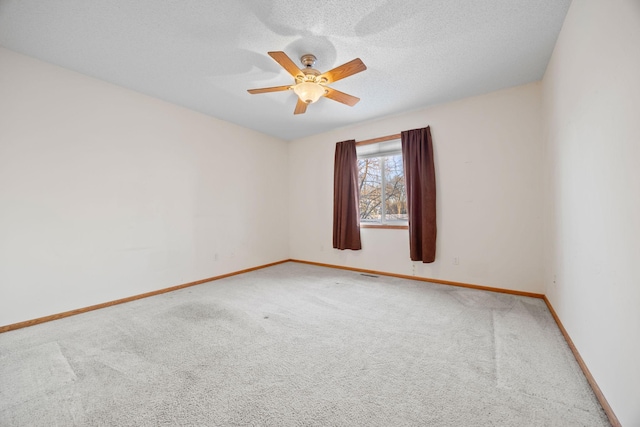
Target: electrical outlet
x,y
456,261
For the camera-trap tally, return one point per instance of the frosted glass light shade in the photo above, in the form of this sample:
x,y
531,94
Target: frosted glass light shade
x,y
308,92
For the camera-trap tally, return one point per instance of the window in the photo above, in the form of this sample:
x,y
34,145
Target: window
x,y
383,196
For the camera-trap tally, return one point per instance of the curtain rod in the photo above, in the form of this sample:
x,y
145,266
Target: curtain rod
x,y
381,139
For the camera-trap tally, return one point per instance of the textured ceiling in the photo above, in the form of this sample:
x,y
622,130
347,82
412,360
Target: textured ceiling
x,y
205,54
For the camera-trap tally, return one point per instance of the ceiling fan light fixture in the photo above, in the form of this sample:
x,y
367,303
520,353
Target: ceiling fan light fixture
x,y
309,92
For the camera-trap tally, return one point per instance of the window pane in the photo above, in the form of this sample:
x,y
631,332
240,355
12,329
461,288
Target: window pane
x,y
395,193
370,180
383,197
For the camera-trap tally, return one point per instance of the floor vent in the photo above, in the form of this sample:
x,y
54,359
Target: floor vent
x,y
368,275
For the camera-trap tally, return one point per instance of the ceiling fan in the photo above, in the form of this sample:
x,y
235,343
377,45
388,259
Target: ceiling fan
x,y
310,84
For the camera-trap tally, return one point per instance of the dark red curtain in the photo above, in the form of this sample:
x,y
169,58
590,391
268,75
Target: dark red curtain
x,y
346,215
420,179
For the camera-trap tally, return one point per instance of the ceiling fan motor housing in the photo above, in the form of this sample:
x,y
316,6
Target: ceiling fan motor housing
x,y
308,60
309,74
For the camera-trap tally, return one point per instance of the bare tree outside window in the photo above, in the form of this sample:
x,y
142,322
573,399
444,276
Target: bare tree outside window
x,y
370,179
383,197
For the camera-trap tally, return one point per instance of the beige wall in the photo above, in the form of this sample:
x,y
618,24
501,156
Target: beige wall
x,y
488,157
106,193
591,94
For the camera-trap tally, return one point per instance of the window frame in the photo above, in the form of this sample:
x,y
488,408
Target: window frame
x,y
377,151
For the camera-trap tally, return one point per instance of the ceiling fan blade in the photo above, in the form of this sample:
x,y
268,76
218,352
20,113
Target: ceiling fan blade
x,y
301,107
286,63
342,97
269,89
344,70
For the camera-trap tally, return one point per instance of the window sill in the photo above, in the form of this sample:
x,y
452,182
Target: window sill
x,y
387,226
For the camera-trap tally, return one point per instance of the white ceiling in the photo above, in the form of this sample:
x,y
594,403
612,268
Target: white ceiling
x,y
205,54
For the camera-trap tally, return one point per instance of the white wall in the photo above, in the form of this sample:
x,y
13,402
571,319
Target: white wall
x,y
106,193
591,99
488,157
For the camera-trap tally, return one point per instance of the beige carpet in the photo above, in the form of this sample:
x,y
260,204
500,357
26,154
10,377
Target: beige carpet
x,y
298,345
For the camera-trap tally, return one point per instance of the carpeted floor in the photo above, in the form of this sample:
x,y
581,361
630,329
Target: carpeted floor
x,y
298,345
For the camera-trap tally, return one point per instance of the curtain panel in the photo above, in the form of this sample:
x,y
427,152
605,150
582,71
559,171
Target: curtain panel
x,y
420,181
346,215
